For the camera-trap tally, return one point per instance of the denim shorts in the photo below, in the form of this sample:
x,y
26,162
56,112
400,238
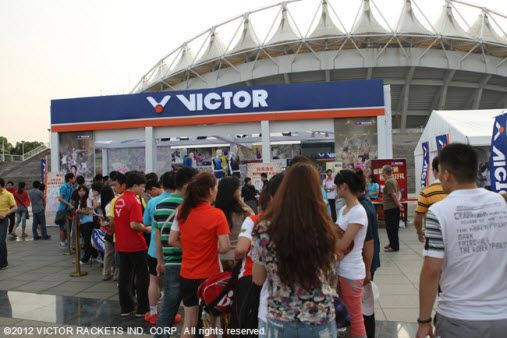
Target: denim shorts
x,y
281,329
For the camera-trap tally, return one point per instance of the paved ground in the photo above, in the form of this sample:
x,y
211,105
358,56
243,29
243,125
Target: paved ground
x,y
40,267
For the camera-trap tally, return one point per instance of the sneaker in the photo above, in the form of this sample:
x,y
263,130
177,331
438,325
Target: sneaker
x,y
23,235
98,260
63,246
47,237
126,314
82,262
36,238
139,315
107,277
177,319
13,236
152,319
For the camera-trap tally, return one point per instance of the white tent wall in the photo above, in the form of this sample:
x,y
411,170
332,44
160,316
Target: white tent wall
x,y
472,127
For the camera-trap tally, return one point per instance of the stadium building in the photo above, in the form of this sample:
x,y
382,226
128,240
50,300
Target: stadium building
x,y
444,64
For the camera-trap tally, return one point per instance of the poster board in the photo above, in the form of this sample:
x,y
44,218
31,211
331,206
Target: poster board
x,y
254,171
334,166
54,181
399,173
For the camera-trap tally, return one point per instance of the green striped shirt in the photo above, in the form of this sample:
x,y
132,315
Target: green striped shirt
x,y
164,209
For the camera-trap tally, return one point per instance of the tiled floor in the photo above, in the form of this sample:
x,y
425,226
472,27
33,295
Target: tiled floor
x,y
40,273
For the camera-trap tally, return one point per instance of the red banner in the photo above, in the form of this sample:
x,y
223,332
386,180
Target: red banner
x,y
399,173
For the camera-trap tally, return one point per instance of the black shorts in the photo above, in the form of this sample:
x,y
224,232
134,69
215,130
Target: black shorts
x,y
189,291
152,265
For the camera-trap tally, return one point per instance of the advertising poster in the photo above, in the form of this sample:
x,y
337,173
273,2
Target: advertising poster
x,y
126,159
399,173
356,141
334,166
54,181
497,167
76,154
254,171
442,141
425,175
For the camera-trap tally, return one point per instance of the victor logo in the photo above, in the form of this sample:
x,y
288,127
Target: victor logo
x,y
498,160
159,106
499,130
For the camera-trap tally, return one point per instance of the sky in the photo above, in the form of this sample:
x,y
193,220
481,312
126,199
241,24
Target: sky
x,y
61,49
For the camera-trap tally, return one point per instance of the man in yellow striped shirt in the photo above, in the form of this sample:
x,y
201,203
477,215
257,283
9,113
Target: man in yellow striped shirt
x,y
428,196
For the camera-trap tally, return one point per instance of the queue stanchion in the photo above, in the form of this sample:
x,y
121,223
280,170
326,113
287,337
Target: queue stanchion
x,y
77,256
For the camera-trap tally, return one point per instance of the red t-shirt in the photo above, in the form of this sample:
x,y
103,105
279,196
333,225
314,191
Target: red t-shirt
x,y
199,241
127,208
23,197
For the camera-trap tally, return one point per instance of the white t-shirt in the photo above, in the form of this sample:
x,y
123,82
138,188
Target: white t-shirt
x,y
328,184
468,230
246,232
352,265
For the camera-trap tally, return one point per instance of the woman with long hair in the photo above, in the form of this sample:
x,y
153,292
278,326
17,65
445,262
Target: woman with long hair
x,y
22,201
202,232
294,250
84,209
249,309
229,201
352,224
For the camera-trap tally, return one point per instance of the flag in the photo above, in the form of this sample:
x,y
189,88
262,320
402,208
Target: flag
x,y
442,141
498,153
426,165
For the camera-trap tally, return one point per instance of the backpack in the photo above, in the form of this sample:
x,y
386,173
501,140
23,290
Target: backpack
x,y
217,292
98,238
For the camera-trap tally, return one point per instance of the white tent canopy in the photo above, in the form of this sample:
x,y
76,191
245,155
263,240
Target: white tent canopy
x,y
473,127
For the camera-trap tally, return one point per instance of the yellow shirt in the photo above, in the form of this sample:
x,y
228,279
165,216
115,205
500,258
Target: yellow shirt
x,y
429,196
6,201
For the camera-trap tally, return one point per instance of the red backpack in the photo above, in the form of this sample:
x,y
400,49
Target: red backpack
x,y
217,292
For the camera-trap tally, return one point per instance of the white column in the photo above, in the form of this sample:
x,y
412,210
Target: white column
x,y
150,148
266,142
55,152
385,128
105,166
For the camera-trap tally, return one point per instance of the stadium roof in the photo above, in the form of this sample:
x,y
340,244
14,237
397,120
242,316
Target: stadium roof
x,y
380,48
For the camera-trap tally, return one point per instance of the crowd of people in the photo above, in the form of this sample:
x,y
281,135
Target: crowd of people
x,y
302,252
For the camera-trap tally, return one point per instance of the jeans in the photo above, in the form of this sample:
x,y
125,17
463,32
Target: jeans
x,y
12,221
133,264
21,215
172,297
39,218
392,219
263,329
4,224
351,293
281,329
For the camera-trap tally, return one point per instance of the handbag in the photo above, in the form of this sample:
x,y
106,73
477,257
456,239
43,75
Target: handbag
x,y
61,217
342,316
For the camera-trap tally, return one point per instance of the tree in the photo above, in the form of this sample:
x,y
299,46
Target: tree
x,y
7,147
28,146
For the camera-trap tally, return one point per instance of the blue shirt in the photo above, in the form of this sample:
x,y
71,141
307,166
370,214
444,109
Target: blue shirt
x,y
372,231
66,192
373,190
148,220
